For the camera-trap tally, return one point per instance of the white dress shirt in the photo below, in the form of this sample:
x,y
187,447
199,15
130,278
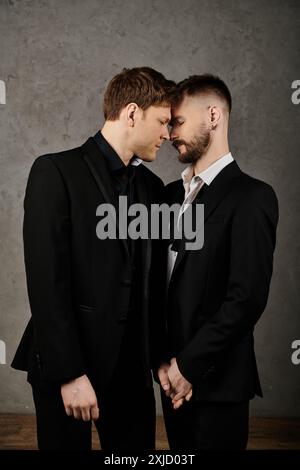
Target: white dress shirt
x,y
192,185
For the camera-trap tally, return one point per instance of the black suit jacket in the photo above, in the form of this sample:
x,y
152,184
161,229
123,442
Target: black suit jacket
x,y
79,286
217,294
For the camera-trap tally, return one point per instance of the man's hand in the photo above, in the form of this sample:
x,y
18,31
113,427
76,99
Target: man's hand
x,y
80,399
181,388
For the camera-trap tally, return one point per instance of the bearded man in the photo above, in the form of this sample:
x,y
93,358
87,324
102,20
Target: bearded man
x,y
215,294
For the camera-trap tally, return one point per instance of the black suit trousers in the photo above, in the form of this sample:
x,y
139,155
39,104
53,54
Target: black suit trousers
x,y
197,426
127,411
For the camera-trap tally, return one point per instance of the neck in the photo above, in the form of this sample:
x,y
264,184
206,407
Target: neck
x,y
215,151
116,138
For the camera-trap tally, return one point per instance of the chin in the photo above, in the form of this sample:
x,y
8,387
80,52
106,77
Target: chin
x,y
148,158
182,156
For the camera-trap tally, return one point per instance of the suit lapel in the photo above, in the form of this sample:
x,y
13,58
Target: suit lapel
x,y
97,166
212,197
142,197
177,194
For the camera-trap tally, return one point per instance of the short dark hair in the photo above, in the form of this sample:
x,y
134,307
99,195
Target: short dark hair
x,y
141,85
197,84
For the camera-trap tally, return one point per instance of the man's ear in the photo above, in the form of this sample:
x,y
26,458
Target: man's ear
x,y
131,113
215,116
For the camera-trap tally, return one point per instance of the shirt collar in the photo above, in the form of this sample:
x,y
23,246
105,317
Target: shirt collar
x,y
113,160
210,173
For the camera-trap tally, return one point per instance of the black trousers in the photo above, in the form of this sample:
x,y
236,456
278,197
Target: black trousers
x,y
126,422
199,426
127,411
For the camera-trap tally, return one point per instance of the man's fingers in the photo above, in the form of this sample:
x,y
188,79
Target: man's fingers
x,y
178,404
85,412
168,390
181,395
94,412
178,396
164,379
69,411
77,413
165,386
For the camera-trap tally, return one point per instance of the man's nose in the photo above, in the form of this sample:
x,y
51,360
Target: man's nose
x,y
166,135
173,135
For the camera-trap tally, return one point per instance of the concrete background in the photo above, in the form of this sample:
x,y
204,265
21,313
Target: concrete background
x,y
56,59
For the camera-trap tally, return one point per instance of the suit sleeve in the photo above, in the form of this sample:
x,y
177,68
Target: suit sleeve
x,y
253,235
158,275
47,254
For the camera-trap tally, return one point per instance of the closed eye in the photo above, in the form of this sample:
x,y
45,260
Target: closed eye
x,y
177,124
164,123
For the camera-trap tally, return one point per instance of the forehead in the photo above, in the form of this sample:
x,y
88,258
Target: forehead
x,y
163,112
187,105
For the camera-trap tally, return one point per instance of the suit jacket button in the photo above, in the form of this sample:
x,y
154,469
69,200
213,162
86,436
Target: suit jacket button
x,y
122,318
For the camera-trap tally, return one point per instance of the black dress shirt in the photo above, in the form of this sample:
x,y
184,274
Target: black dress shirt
x,y
123,181
122,176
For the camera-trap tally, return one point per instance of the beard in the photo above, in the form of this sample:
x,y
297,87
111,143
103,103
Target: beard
x,y
196,148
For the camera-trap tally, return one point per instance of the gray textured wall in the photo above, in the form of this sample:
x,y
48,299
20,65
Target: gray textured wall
x,y
56,59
